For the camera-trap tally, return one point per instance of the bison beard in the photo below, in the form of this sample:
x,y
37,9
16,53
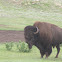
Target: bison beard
x,y
43,35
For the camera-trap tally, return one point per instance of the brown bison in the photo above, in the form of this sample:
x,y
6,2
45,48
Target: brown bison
x,y
44,35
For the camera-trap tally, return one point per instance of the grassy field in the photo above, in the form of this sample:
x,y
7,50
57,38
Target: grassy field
x,y
14,16
33,56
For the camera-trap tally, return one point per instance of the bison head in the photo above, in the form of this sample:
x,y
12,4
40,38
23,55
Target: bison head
x,y
30,33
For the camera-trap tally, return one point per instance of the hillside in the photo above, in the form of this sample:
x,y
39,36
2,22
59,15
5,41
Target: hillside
x,y
48,5
14,14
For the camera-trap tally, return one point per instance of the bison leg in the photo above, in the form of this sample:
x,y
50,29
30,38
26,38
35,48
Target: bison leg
x,y
58,50
46,54
48,51
42,53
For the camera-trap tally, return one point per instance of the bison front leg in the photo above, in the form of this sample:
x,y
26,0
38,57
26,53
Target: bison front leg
x,y
42,53
58,50
46,54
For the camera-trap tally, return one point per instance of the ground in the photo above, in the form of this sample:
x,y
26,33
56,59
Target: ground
x,y
11,35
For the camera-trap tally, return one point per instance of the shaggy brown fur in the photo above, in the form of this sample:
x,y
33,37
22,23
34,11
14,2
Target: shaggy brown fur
x,y
49,35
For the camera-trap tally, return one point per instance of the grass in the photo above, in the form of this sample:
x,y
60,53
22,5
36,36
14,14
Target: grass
x,y
19,22
16,17
33,56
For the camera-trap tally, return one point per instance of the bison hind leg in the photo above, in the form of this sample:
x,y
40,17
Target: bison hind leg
x,y
58,50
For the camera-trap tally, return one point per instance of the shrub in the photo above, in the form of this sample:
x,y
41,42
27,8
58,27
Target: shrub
x,y
23,47
9,46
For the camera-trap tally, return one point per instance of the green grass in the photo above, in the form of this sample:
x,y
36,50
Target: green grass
x,y
28,18
33,56
16,17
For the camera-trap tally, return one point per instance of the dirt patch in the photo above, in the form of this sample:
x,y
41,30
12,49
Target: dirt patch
x,y
1,25
11,35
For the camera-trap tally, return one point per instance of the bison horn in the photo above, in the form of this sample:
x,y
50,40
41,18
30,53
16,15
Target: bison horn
x,y
36,31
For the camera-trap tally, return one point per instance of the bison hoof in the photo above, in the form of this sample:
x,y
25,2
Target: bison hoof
x,y
56,57
46,57
41,56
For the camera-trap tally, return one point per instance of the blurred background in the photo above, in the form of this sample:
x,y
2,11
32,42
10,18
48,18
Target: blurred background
x,y
16,14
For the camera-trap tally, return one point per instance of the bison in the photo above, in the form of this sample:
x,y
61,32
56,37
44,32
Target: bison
x,y
44,36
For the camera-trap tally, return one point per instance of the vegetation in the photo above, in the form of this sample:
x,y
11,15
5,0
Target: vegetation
x,y
9,46
15,15
23,47
34,56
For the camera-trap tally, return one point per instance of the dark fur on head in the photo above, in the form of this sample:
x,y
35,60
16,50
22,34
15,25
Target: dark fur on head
x,y
30,36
